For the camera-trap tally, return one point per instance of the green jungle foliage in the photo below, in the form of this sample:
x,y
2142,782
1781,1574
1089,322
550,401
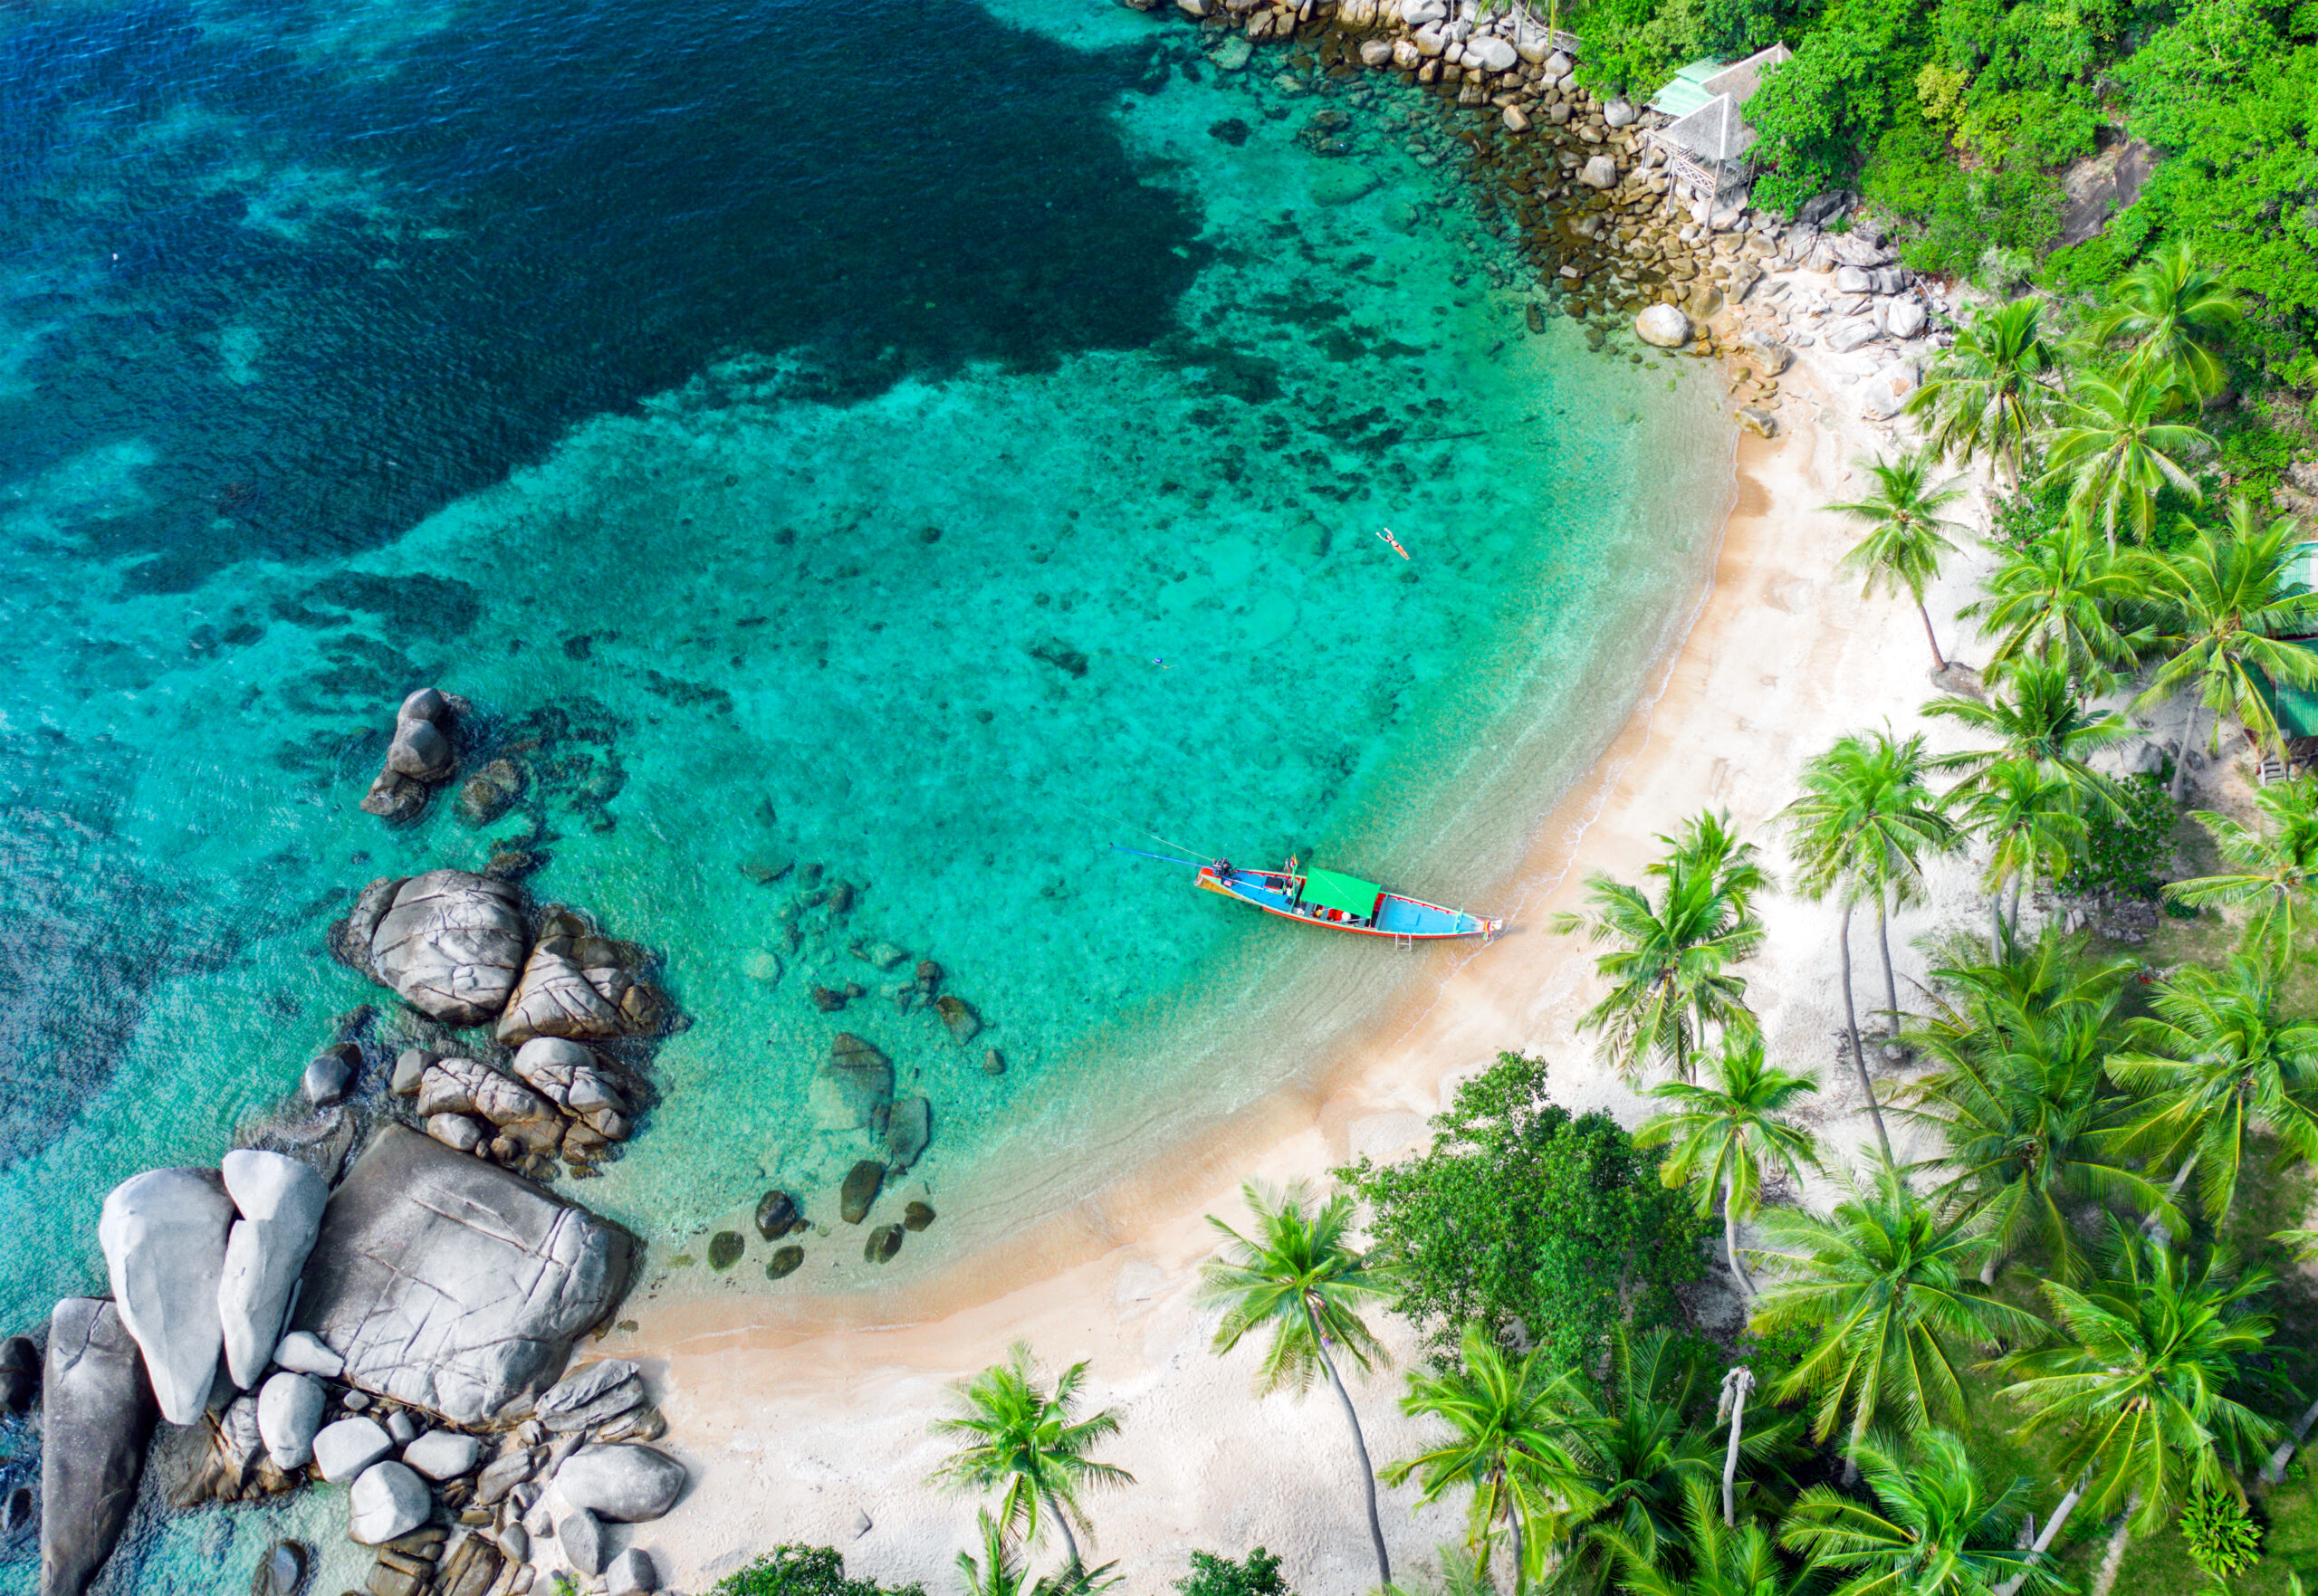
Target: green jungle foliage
x,y
1521,1211
795,1569
2124,854
2224,1540
1220,1576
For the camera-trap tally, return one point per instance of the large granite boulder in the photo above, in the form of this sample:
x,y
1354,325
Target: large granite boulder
x,y
164,1238
280,1204
621,1484
450,1285
96,1416
555,998
449,942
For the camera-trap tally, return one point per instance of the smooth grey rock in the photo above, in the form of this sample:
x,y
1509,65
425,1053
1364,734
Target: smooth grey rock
x,y
555,999
324,1081
621,1483
1846,336
465,1085
582,1539
1619,113
239,1438
164,1238
583,1386
427,703
1904,319
501,1475
1491,55
410,1066
1664,325
450,943
517,1542
456,1131
453,1286
281,1202
1852,280
400,1429
344,1449
303,1353
97,1413
289,1416
387,1500
442,1454
909,1127
419,751
19,1372
548,1064
631,1573
627,1394
1600,172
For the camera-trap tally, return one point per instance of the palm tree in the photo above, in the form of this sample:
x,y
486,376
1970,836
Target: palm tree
x,y
1724,1134
2058,599
1669,965
2019,1095
2277,873
2172,311
1003,1572
2117,451
1906,534
2220,1059
1299,1277
1982,395
2038,716
1862,828
2139,1382
1880,1283
1023,1438
1507,1443
2030,822
1724,1560
1934,1527
2231,600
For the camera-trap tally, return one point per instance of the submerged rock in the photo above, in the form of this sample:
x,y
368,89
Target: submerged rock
x,y
993,1063
862,1184
909,1126
917,1216
724,1249
959,1018
454,1286
19,1372
883,1242
785,1262
281,1571
164,1238
853,1086
96,1412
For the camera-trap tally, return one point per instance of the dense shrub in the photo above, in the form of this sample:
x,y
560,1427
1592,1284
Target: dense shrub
x,y
2122,852
1220,1576
795,1569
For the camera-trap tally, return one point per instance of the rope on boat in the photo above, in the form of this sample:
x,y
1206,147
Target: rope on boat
x,y
1163,858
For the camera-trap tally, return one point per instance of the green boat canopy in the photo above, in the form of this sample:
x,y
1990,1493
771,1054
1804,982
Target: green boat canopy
x,y
1325,889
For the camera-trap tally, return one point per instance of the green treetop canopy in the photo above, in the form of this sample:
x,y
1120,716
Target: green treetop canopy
x,y
1325,889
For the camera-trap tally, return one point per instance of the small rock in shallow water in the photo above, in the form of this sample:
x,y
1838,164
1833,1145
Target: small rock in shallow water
x,y
883,1242
917,1216
724,1249
862,1183
827,1001
959,1017
784,1263
776,1213
764,869
281,1571
993,1063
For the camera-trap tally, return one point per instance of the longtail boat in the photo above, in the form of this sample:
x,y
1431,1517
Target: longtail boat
x,y
1339,901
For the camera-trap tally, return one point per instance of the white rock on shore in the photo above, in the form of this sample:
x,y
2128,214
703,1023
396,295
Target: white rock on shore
x,y
386,1501
164,1238
280,1204
1664,326
289,1416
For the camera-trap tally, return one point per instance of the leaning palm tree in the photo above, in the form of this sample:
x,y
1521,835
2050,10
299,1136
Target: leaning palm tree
x,y
1003,1570
1982,395
2221,1057
1906,534
1022,1439
1880,1283
1725,1134
2039,716
1862,828
1299,1277
2231,600
2030,822
2019,1095
1668,963
1932,1528
2059,599
2274,872
1508,1443
1725,1560
2138,1386
2117,450
2172,312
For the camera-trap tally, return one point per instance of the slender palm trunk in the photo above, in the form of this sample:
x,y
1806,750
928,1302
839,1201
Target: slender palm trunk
x,y
1858,1056
1891,985
2274,1469
2060,1516
1938,660
2019,889
1730,1241
2181,754
1995,927
1520,1571
1739,1389
1360,1446
1062,1523
2153,1225
1851,1452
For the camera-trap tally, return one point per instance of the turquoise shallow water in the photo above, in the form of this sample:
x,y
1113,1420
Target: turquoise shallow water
x,y
1036,534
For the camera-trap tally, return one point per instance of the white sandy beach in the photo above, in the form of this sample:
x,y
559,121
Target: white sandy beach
x,y
803,1433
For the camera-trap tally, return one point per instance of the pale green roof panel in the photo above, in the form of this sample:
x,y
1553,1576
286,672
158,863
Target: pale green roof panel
x,y
1326,889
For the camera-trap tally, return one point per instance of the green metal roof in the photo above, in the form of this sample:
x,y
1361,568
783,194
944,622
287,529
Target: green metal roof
x,y
2296,708
2301,565
1325,889
1686,90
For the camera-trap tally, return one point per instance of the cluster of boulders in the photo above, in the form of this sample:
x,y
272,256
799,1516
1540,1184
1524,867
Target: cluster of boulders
x,y
419,759
402,1335
463,950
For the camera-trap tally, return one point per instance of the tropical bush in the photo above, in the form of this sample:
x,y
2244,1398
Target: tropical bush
x,y
1212,1575
798,1570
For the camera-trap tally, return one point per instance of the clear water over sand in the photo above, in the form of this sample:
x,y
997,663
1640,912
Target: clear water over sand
x,y
937,471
